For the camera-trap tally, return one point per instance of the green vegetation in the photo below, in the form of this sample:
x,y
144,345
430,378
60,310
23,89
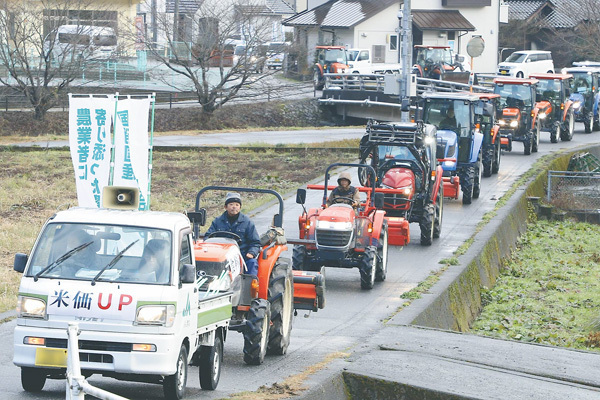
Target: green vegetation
x,y
34,184
550,291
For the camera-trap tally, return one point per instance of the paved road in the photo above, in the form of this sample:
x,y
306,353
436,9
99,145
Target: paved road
x,y
351,316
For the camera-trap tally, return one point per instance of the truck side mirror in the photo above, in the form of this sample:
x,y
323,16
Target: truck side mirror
x,y
20,262
187,273
379,201
300,196
198,217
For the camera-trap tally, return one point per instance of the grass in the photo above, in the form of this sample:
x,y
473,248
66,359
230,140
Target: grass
x,y
549,292
33,185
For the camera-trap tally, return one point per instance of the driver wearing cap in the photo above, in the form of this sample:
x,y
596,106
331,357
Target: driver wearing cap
x,y
344,191
232,220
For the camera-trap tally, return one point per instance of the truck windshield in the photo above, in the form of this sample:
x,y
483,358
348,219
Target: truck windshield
x,y
126,253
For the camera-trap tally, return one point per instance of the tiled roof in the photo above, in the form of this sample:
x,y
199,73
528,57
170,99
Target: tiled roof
x,y
445,20
339,13
280,7
185,6
523,9
562,13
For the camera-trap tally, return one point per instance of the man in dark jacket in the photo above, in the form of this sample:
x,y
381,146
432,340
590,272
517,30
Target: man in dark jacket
x,y
232,220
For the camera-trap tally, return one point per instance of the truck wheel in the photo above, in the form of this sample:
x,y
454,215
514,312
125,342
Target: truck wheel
x,y
487,160
33,379
439,212
382,253
477,180
497,155
211,358
467,177
256,332
281,297
174,385
535,141
426,225
298,257
368,268
555,132
588,122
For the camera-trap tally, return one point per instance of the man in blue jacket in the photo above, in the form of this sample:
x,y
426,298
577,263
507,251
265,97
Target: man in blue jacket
x,y
232,220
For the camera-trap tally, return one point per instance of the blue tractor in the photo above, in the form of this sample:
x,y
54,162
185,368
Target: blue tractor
x,y
585,95
462,121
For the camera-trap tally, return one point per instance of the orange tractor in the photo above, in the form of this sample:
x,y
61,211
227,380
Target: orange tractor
x,y
263,304
340,236
330,60
556,113
438,62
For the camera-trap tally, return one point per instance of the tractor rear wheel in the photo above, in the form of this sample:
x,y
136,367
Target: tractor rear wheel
x,y
467,176
588,121
298,257
478,175
535,140
439,212
566,134
368,268
281,297
426,225
497,155
382,252
555,132
256,332
211,359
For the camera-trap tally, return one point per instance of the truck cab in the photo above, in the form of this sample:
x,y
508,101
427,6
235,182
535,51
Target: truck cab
x,y
128,279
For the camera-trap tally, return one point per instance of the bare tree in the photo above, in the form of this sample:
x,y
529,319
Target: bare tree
x,y
220,48
34,61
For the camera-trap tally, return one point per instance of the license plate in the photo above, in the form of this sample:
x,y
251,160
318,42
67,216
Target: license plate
x,y
45,357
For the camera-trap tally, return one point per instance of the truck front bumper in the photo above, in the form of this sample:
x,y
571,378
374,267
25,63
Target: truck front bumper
x,y
99,351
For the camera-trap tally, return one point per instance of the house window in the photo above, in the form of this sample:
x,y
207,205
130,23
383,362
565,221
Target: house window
x,y
393,42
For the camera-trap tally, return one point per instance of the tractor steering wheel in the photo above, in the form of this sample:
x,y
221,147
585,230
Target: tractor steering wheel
x,y
227,235
344,200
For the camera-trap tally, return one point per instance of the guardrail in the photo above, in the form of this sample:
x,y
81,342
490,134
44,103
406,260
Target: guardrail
x,y
77,385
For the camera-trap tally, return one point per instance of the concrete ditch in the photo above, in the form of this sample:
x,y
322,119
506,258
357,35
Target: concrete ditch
x,y
393,369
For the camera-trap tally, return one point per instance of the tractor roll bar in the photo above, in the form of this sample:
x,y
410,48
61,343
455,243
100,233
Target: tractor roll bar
x,y
368,167
277,219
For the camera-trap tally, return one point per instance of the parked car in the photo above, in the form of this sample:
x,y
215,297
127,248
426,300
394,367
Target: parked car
x,y
276,52
521,64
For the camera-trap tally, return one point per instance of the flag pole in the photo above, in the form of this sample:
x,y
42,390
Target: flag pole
x,y
153,99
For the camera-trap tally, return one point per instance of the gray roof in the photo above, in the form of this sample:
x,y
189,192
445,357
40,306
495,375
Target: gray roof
x,y
339,13
269,7
185,6
280,7
554,13
441,20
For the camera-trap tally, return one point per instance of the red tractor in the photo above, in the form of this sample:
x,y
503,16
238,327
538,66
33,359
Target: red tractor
x,y
263,305
408,175
340,236
330,60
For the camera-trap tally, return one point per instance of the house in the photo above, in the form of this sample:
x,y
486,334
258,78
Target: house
x,y
374,23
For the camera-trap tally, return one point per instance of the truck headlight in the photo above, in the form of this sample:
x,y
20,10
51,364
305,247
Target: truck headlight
x,y
163,315
514,124
31,307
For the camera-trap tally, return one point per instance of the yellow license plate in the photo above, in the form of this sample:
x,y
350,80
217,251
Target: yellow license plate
x,y
50,357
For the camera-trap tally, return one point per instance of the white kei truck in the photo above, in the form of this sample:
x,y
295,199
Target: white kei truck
x,y
128,279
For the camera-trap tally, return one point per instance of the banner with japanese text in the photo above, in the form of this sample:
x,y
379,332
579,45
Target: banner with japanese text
x,y
132,146
90,143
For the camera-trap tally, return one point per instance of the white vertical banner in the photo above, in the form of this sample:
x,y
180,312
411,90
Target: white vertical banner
x,y
132,146
90,143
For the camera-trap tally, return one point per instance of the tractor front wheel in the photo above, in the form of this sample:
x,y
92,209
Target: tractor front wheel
x,y
588,121
487,160
555,132
427,224
317,80
298,257
467,176
596,124
281,297
566,134
382,252
535,140
368,268
256,332
497,155
478,175
439,212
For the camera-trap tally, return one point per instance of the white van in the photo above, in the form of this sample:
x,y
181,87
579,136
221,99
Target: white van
x,y
521,64
83,41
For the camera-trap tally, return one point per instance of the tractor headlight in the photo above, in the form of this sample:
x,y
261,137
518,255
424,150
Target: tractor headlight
x,y
576,105
514,124
542,115
502,122
335,226
407,190
163,315
31,307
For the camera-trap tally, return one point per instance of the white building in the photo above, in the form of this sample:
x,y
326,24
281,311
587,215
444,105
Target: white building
x,y
373,24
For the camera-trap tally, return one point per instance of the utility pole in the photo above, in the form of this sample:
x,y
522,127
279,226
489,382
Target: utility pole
x,y
176,22
405,17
